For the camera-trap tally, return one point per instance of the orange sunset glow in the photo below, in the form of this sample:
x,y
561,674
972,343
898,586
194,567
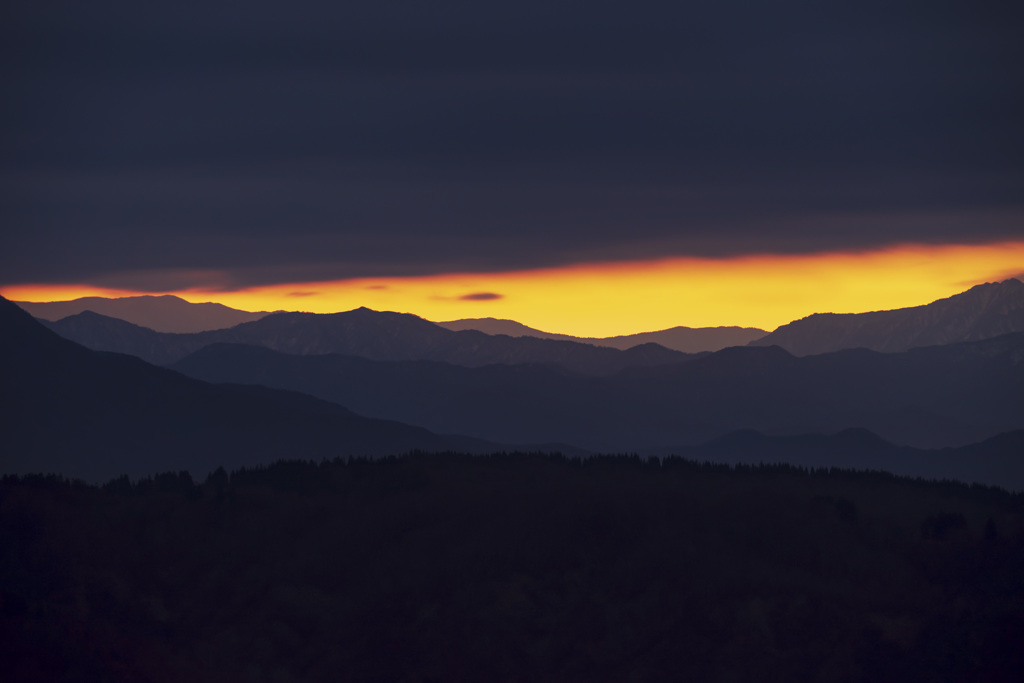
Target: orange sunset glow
x,y
605,299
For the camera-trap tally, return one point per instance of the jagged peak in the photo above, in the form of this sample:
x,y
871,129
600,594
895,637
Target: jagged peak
x,y
1008,284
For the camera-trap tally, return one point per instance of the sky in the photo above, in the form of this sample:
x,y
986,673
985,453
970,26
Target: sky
x,y
586,167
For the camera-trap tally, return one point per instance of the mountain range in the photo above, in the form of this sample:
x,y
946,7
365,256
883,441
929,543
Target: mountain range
x,y
166,313
94,415
685,339
362,332
983,311
930,397
285,386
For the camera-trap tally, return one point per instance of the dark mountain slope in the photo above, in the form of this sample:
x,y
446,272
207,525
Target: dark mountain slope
x,y
103,333
935,397
685,339
161,313
364,333
930,397
95,415
984,311
519,401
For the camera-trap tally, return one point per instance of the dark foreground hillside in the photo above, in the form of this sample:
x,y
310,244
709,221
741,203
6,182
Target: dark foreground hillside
x,y
511,568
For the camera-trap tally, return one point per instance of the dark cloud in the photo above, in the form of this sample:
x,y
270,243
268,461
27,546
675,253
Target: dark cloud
x,y
267,142
481,296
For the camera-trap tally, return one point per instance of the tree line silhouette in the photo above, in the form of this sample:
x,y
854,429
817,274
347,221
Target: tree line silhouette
x,y
518,566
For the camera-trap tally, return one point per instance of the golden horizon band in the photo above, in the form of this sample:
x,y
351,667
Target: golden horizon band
x,y
608,299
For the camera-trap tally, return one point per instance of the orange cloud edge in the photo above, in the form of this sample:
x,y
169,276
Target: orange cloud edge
x,y
612,298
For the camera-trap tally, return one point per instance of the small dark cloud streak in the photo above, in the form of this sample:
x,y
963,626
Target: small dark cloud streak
x,y
481,296
336,140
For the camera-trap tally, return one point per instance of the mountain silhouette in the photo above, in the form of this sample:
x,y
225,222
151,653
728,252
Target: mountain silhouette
x,y
104,333
983,311
96,415
520,401
931,397
685,339
165,313
93,415
364,333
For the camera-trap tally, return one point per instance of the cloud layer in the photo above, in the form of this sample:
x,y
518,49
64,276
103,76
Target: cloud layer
x,y
317,140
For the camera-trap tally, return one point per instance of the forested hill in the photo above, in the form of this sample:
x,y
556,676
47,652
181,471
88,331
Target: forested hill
x,y
511,568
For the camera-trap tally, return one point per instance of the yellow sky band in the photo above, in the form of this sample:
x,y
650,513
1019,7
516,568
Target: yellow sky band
x,y
605,299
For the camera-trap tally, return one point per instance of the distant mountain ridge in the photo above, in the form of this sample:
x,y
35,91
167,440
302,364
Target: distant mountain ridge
x,y
983,311
684,339
930,397
361,332
166,313
996,461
